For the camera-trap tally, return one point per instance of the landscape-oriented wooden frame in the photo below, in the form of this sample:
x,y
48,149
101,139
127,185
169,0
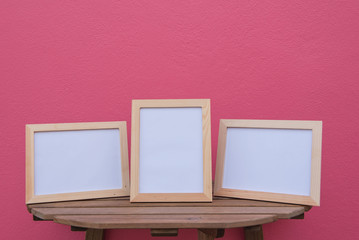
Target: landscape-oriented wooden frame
x,y
315,126
136,196
31,129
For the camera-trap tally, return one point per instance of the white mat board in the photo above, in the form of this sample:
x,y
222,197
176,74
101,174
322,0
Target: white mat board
x,y
171,153
268,160
77,161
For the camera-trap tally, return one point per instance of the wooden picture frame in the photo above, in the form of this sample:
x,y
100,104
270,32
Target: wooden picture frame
x,y
73,161
244,176
156,130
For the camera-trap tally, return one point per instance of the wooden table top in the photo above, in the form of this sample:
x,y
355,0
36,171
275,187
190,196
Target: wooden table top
x,y
116,213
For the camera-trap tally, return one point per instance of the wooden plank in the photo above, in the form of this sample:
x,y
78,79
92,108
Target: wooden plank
x,y
172,197
253,233
222,138
163,221
124,202
164,232
77,195
207,149
316,164
267,196
280,212
94,234
30,166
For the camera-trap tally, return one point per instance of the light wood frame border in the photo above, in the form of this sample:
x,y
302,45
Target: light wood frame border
x,y
31,129
206,196
315,126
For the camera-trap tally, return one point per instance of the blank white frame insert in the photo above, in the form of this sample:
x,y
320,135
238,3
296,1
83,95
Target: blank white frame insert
x,y
165,144
269,160
76,161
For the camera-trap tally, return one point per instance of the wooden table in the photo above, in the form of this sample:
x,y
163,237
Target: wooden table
x,y
164,219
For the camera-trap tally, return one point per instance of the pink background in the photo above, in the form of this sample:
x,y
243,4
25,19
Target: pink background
x,y
74,61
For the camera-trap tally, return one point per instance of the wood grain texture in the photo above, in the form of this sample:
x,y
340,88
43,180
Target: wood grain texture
x,y
211,217
267,196
135,150
163,221
280,124
29,192
77,196
125,171
31,129
207,149
315,126
124,202
172,197
136,196
48,127
221,151
316,163
280,212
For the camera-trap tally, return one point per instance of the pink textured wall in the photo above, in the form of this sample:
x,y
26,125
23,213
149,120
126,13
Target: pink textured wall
x,y
73,61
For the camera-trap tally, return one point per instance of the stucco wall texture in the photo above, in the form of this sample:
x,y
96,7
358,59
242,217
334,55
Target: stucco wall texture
x,y
74,61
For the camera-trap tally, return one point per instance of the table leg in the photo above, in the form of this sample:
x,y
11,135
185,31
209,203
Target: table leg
x,y
210,234
253,233
94,234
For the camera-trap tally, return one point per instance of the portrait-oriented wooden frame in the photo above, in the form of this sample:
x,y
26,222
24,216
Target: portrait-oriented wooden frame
x,y
313,199
31,129
136,196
